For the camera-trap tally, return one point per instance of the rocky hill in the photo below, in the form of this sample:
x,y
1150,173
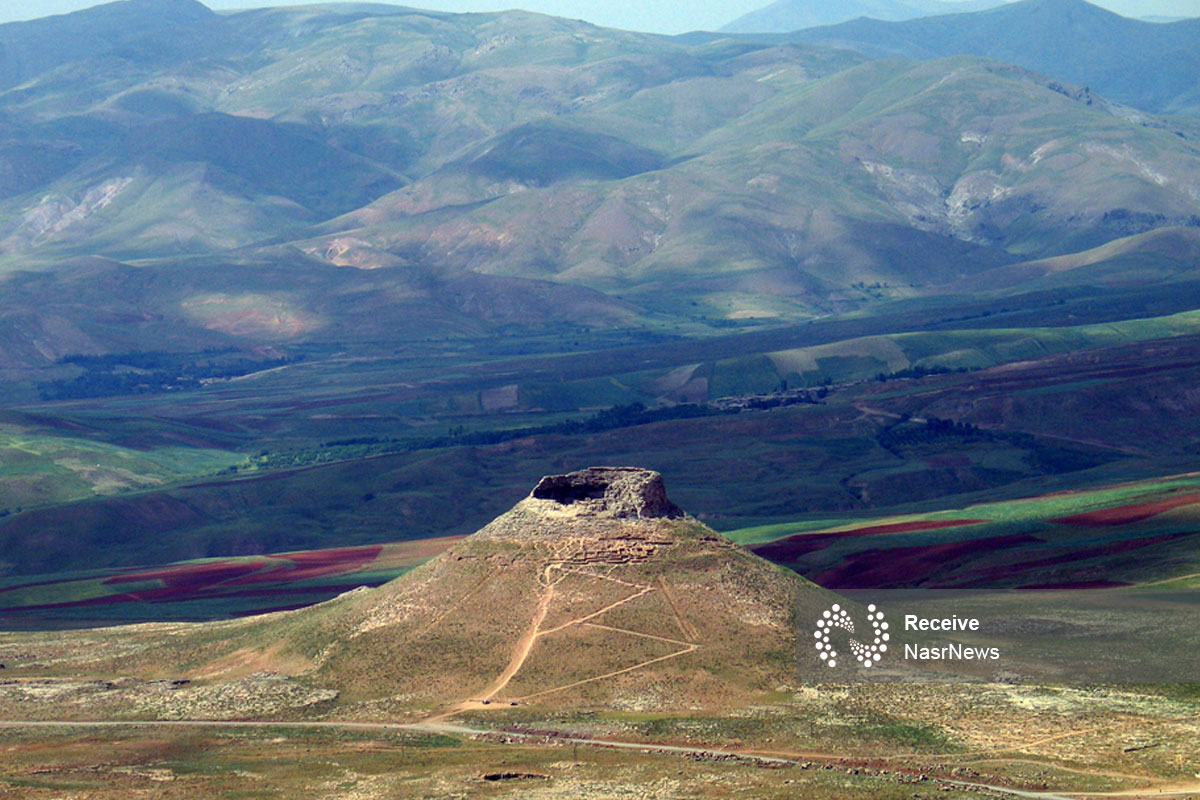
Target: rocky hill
x,y
596,591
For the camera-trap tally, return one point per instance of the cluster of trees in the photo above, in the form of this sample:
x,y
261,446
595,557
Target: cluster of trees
x,y
150,372
908,435
619,416
143,360
780,400
1041,456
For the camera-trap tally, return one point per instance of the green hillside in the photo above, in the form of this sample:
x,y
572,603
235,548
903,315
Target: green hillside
x,y
39,469
762,181
869,176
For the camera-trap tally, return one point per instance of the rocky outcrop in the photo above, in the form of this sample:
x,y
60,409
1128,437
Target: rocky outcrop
x,y
591,504
618,492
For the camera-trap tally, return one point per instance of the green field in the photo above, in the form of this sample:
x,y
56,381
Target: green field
x,y
1022,510
40,469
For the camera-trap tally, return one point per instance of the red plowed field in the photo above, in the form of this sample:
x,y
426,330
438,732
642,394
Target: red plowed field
x,y
781,551
191,575
900,567
1124,515
314,564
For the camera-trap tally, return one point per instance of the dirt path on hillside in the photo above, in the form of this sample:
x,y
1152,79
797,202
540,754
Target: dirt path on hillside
x,y
521,651
685,627
524,646
688,647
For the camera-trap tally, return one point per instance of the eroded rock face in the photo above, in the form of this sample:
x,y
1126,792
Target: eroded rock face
x,y
619,492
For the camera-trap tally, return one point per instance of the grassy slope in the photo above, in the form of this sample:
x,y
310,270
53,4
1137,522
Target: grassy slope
x,y
844,361
37,469
867,357
1059,504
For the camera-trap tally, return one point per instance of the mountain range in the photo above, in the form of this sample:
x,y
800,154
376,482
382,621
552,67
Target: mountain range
x,y
314,159
1152,66
784,16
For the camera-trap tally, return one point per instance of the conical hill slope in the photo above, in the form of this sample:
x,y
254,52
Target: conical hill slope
x,y
595,591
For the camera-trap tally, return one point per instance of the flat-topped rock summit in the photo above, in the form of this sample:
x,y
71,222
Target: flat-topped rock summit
x,y
592,501
621,492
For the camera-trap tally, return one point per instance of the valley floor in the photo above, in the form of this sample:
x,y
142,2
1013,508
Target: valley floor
x,y
181,758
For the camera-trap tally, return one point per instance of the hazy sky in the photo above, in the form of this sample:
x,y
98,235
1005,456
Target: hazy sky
x,y
659,16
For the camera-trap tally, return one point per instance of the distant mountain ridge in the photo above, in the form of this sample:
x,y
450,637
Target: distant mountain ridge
x,y
139,29
785,16
1152,66
374,172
